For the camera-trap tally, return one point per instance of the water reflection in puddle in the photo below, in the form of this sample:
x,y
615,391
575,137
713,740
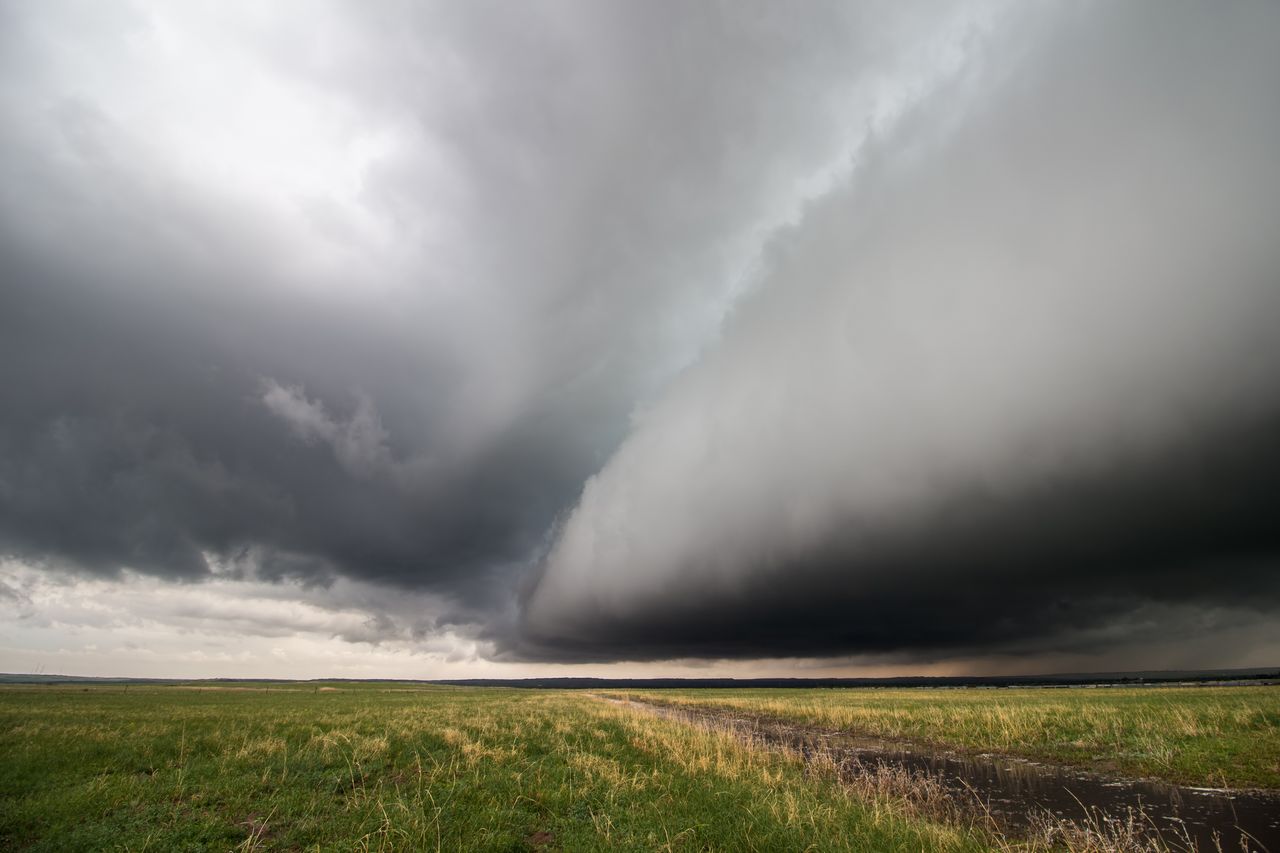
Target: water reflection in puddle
x,y
1013,790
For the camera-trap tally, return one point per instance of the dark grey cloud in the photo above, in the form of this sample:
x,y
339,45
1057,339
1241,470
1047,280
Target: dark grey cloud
x,y
1078,562
1012,389
635,331
316,291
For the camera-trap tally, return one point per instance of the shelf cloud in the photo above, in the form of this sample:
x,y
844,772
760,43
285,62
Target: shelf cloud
x,y
612,332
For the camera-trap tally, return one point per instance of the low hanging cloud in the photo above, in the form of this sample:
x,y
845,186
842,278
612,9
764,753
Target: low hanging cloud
x,y
625,332
372,295
225,626
1015,382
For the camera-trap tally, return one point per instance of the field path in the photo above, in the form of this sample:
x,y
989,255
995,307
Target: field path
x,y
1018,794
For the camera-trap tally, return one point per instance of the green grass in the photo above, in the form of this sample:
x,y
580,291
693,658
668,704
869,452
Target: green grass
x,y
382,767
1219,736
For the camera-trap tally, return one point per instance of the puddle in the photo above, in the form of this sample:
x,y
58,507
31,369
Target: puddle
x,y
1015,789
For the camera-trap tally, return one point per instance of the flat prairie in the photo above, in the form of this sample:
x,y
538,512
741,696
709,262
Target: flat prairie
x,y
389,767
368,766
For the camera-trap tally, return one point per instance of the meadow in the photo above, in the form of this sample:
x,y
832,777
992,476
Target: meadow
x,y
1213,737
385,767
319,767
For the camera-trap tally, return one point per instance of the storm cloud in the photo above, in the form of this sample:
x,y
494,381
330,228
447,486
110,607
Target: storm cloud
x,y
1014,381
610,332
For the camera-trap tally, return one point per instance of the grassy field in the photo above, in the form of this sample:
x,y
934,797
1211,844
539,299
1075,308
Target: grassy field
x,y
1219,736
382,767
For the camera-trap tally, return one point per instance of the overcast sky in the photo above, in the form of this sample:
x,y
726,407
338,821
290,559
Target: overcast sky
x,y
428,340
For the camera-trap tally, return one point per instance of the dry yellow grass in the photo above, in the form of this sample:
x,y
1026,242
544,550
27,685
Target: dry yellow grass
x,y
1221,736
